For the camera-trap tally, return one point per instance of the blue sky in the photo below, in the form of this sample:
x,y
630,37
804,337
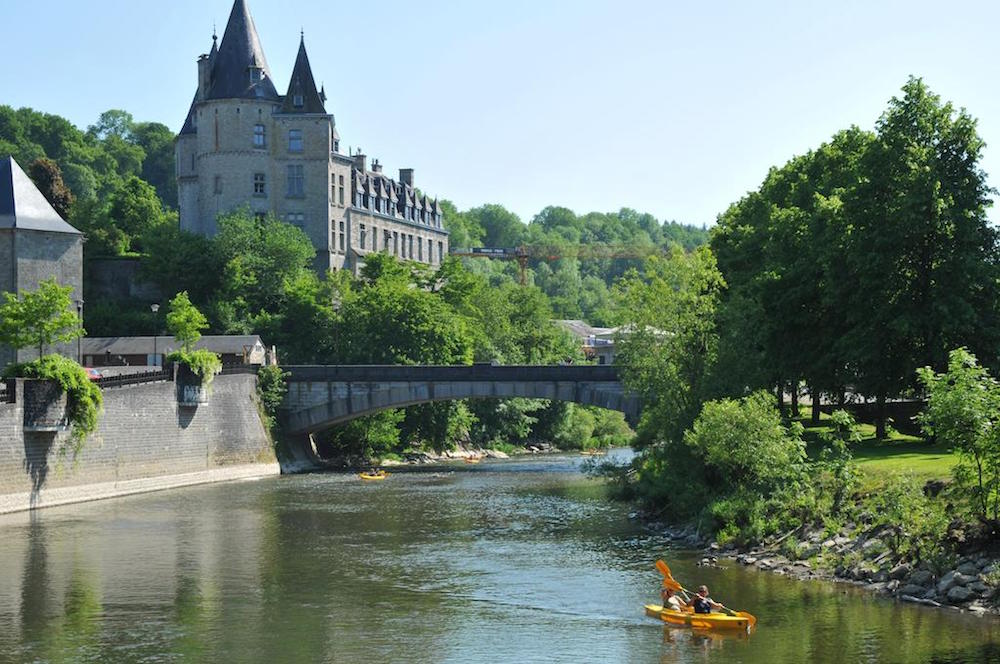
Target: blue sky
x,y
668,108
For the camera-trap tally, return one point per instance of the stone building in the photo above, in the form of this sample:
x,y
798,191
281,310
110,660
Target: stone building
x,y
245,145
35,244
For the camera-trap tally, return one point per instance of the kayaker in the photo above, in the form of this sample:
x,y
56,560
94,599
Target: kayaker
x,y
702,603
670,600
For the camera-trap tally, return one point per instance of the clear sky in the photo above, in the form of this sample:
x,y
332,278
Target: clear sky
x,y
676,109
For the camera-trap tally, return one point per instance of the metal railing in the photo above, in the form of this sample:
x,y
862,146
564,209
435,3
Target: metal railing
x,y
166,374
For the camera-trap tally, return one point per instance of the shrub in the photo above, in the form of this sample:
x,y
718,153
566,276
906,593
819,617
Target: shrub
x,y
271,389
84,399
203,363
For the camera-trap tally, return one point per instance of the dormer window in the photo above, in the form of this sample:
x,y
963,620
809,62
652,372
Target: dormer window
x,y
256,74
298,101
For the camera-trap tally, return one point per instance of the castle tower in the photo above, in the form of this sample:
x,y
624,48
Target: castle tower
x,y
223,148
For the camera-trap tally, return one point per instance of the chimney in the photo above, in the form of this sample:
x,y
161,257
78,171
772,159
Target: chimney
x,y
204,76
406,176
376,166
361,161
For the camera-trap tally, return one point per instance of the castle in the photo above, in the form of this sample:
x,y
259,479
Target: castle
x,y
245,145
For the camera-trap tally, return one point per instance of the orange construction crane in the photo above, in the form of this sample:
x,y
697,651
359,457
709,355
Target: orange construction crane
x,y
524,253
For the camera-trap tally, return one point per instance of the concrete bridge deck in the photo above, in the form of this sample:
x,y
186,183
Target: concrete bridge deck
x,y
322,396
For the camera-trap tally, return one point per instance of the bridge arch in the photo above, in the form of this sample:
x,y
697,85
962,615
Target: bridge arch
x,y
321,397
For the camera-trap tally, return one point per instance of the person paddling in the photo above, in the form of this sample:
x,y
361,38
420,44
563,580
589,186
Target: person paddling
x,y
702,603
671,601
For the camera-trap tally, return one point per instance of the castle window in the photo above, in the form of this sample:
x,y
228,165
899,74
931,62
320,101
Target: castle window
x,y
295,140
336,145
258,136
374,238
296,180
218,184
363,236
256,73
298,101
259,184
296,219
420,249
341,237
409,251
385,240
440,251
341,189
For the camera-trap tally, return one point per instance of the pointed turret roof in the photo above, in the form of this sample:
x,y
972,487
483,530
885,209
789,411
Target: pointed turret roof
x,y
302,87
22,206
239,53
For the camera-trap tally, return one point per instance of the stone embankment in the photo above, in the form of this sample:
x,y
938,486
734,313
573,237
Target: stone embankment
x,y
864,557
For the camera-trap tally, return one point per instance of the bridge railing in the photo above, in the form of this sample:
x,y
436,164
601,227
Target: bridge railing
x,y
475,372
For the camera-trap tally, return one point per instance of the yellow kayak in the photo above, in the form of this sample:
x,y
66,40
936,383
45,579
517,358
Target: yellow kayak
x,y
698,620
378,475
473,459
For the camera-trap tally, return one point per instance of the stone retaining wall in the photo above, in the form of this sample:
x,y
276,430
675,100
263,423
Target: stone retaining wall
x,y
145,441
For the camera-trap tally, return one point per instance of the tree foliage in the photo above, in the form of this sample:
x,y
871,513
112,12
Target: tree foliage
x,y
963,410
39,318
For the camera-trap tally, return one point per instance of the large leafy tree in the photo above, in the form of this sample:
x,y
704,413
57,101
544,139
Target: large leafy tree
x,y
669,339
920,247
47,176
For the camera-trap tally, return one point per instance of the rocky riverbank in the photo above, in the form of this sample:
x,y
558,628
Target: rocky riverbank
x,y
863,557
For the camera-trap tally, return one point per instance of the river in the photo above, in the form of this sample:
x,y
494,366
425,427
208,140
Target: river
x,y
516,561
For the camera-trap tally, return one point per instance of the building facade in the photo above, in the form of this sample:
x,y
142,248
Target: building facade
x,y
243,145
35,244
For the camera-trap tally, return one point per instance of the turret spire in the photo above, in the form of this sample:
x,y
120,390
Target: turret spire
x,y
240,70
302,95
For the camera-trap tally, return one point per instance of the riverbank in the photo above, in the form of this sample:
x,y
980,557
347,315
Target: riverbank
x,y
860,556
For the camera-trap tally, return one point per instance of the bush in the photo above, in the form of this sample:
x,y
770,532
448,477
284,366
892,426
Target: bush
x,y
84,399
204,363
271,389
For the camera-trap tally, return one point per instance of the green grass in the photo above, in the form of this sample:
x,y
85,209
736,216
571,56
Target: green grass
x,y
899,453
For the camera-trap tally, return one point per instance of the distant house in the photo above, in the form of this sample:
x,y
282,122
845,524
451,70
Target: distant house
x,y
35,244
151,351
598,343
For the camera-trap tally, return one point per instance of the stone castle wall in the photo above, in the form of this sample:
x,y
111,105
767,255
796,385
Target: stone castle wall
x,y
145,441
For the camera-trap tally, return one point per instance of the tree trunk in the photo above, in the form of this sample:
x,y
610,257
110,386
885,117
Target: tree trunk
x,y
841,398
794,386
880,416
815,404
779,392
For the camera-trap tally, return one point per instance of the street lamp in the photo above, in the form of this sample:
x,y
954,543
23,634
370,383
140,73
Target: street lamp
x,y
154,308
79,339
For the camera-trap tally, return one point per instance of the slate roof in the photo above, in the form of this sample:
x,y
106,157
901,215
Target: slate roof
x,y
228,344
303,84
239,51
22,206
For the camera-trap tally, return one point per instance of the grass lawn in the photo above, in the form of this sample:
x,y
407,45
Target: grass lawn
x,y
900,453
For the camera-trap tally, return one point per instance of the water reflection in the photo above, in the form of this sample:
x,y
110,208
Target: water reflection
x,y
515,562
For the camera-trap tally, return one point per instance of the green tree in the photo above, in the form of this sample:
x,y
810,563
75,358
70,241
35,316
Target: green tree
x,y
185,322
963,410
39,318
668,340
922,251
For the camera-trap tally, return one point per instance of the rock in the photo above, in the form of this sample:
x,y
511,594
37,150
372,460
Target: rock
x,y
978,587
840,540
977,608
496,454
919,600
871,544
749,560
880,576
900,572
914,590
828,544
968,568
714,546
892,586
983,562
958,595
922,577
947,582
765,564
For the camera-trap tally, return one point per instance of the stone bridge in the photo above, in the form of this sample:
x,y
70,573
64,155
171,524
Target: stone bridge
x,y
320,397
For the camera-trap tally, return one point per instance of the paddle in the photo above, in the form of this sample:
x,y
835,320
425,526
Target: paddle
x,y
670,582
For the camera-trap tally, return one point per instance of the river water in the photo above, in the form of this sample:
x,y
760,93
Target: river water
x,y
517,561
